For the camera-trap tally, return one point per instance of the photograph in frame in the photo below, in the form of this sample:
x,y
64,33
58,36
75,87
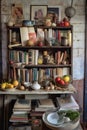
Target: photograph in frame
x,y
17,13
54,12
38,13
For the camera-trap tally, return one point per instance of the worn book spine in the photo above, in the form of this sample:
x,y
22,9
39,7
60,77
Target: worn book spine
x,y
24,35
36,54
69,38
30,55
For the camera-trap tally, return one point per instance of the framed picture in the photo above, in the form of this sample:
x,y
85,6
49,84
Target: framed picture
x,y
17,13
54,12
38,13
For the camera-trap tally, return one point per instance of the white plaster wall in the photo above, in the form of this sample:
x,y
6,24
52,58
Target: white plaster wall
x,y
78,22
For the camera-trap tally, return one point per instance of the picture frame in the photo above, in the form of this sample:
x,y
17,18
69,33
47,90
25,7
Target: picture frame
x,y
55,10
38,13
17,13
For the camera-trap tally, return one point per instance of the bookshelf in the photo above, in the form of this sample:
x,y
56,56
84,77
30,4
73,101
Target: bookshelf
x,y
57,43
49,55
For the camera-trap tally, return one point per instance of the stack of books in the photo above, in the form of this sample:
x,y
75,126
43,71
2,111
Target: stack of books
x,y
21,110
67,103
44,105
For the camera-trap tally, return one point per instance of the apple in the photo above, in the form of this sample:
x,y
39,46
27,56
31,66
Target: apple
x,y
66,23
62,82
57,79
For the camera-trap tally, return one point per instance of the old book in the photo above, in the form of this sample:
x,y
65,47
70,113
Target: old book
x,y
66,71
60,72
30,75
58,57
35,74
27,75
69,38
24,35
40,75
22,104
31,56
36,55
20,126
19,117
67,102
59,36
45,103
61,57
26,57
50,33
43,109
19,111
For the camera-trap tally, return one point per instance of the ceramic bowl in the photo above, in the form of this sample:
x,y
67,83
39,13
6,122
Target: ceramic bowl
x,y
28,23
62,126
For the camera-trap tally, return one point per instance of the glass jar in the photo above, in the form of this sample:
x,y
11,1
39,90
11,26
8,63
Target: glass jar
x,y
64,41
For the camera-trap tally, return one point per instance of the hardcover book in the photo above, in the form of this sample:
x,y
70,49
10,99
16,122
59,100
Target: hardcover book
x,y
67,103
24,35
22,104
19,118
44,105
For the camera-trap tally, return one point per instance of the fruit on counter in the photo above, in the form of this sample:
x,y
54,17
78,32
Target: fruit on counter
x,y
22,87
3,85
62,82
15,83
7,85
66,78
65,23
57,79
